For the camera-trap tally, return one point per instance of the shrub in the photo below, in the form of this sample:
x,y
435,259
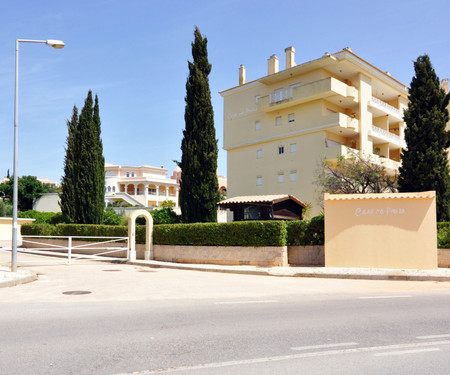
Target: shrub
x,y
165,216
306,233
44,217
249,233
6,208
110,217
443,235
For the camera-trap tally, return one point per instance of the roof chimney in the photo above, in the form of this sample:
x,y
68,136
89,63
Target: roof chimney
x,y
290,57
241,75
444,85
272,65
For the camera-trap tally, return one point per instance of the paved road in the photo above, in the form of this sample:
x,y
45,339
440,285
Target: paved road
x,y
155,320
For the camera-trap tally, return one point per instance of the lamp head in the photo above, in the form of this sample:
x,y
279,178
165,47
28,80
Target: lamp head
x,y
58,44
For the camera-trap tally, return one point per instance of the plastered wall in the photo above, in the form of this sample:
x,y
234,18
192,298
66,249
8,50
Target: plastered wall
x,y
381,230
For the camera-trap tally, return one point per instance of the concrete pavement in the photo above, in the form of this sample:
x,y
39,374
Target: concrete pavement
x,y
440,274
8,278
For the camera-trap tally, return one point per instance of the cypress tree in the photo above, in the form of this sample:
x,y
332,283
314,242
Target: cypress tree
x,y
83,184
89,166
67,195
199,191
424,162
99,177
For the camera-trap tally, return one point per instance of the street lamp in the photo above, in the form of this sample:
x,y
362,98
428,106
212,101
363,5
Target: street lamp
x,y
55,44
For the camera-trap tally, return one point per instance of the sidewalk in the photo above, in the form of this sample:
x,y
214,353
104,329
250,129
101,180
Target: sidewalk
x,y
8,278
440,274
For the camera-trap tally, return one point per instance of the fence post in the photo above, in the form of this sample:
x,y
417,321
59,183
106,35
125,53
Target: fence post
x,y
69,250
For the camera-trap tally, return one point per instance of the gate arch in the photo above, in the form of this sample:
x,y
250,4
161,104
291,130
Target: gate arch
x,y
148,233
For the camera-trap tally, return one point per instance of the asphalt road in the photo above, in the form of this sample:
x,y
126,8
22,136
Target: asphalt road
x,y
149,321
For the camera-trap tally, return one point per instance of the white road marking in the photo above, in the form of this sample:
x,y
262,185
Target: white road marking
x,y
244,302
402,352
325,346
381,297
433,337
289,357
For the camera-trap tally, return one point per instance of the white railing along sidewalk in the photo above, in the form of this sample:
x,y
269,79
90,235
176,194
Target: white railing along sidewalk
x,y
91,245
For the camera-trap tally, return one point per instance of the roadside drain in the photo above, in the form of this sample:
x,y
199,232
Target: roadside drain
x,y
76,292
111,270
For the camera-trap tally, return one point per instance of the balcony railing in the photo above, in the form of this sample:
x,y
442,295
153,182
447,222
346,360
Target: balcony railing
x,y
387,107
386,134
280,95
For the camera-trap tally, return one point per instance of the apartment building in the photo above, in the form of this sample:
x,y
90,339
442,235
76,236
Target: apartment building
x,y
278,128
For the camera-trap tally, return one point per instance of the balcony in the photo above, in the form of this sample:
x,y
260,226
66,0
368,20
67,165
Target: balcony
x,y
334,152
329,88
386,136
382,108
340,124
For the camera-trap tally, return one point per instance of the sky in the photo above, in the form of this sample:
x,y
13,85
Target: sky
x,y
133,54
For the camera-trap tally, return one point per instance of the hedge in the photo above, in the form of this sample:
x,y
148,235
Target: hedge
x,y
247,233
244,233
306,233
250,233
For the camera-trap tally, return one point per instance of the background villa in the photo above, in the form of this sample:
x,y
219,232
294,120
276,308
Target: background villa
x,y
145,186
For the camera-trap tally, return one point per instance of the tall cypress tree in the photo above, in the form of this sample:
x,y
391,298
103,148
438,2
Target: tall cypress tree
x,y
199,191
424,162
89,193
67,204
83,185
99,176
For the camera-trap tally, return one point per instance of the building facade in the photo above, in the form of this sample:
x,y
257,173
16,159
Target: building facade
x,y
279,128
144,186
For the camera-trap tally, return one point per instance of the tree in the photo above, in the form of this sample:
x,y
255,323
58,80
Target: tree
x,y
83,190
424,162
354,175
68,204
29,189
199,190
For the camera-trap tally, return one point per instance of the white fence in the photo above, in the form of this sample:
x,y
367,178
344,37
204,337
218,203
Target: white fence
x,y
83,251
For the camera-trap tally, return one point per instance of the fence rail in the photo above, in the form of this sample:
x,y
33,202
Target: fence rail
x,y
72,250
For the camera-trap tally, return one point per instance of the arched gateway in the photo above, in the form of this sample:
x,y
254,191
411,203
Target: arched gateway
x,y
148,233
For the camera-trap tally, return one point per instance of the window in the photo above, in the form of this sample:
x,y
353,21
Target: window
x,y
257,98
292,87
257,125
280,150
252,213
280,178
259,181
278,95
109,189
132,174
293,147
291,117
128,174
293,176
114,189
278,121
152,191
259,154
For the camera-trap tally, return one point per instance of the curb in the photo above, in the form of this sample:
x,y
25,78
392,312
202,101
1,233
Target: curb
x,y
345,273
17,278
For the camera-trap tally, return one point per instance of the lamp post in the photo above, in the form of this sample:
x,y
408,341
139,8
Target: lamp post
x,y
55,44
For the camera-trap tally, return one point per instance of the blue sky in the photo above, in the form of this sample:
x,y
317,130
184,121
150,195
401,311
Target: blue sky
x,y
134,54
